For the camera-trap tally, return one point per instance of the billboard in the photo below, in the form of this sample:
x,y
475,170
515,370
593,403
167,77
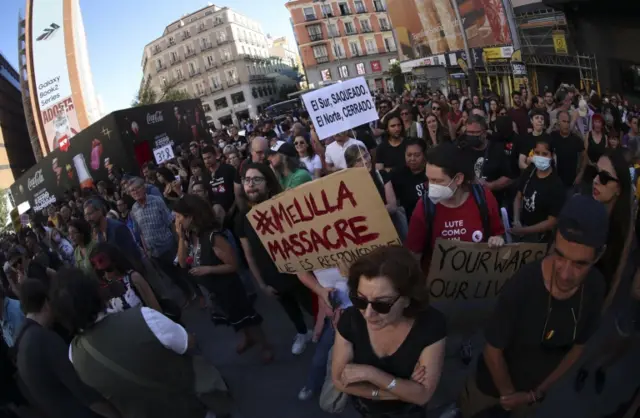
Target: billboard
x,y
51,73
429,27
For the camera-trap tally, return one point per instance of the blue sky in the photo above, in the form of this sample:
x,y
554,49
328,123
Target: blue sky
x,y
118,30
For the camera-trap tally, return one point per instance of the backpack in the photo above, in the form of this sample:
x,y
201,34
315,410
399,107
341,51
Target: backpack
x,y
429,208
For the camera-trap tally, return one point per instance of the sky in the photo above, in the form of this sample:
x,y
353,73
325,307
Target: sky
x,y
118,30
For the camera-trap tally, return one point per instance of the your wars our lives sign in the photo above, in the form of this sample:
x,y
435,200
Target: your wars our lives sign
x,y
311,227
340,107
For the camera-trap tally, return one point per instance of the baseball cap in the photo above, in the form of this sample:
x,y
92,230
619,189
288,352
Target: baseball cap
x,y
585,221
285,148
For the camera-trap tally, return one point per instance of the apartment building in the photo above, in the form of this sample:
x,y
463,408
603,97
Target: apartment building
x,y
220,56
341,39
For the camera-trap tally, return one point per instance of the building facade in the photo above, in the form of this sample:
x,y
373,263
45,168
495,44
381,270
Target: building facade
x,y
341,39
16,154
220,56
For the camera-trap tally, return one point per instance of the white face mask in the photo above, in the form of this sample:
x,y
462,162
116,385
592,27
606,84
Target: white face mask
x,y
541,163
439,192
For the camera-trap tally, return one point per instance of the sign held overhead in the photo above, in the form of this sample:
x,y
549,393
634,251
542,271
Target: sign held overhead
x,y
340,107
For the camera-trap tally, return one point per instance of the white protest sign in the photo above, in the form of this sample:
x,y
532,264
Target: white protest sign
x,y
164,153
340,107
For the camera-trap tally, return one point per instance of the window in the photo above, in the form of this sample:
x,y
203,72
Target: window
x,y
189,50
226,55
360,68
159,65
349,28
355,49
232,75
320,51
325,74
338,50
205,43
218,21
315,32
164,81
179,74
343,71
359,6
366,27
344,8
221,103
172,41
237,98
215,81
389,44
174,57
371,46
384,25
201,27
332,29
327,11
186,34
209,60
222,37
199,88
309,13
193,69
377,4
206,107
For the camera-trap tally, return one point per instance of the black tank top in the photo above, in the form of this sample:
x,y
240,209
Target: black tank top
x,y
595,150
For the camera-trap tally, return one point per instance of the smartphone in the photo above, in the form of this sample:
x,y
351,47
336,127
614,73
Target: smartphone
x,y
334,300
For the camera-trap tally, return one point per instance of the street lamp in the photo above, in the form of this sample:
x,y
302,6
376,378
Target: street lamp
x,y
333,38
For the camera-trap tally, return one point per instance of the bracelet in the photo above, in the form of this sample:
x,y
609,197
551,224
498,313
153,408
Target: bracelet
x,y
375,394
392,385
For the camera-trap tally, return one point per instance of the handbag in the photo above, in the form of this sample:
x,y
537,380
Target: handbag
x,y
209,386
331,399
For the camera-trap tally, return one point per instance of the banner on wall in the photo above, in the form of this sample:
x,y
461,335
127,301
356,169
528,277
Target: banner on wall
x,y
311,227
429,27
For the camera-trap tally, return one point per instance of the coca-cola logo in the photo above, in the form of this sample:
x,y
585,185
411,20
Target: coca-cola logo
x,y
36,180
154,117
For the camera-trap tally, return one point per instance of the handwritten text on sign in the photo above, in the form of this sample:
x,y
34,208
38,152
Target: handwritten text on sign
x,y
163,154
311,227
340,107
467,271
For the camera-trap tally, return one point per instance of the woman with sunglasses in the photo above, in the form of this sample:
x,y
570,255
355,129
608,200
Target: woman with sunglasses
x,y
411,127
308,156
121,286
390,345
540,196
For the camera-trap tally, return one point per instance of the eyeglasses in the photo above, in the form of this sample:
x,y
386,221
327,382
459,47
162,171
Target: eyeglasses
x,y
502,114
377,305
404,114
249,181
604,178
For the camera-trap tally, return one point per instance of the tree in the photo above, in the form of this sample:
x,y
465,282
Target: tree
x,y
168,93
4,210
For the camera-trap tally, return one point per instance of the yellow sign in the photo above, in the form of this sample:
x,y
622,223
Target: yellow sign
x,y
498,53
560,43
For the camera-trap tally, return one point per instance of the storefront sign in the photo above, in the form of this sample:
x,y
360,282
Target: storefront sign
x,y
311,227
436,60
340,107
498,53
519,69
376,67
560,43
430,27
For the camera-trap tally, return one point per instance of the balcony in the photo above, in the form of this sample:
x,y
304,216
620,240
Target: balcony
x,y
315,37
194,73
172,41
366,30
361,10
215,88
380,9
218,22
322,60
175,61
357,54
201,93
190,53
206,47
161,67
385,28
233,83
350,32
202,28
388,50
258,77
224,41
211,67
310,18
226,60
156,50
186,36
333,34
345,12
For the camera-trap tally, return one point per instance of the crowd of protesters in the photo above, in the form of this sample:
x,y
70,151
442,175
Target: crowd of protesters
x,y
91,325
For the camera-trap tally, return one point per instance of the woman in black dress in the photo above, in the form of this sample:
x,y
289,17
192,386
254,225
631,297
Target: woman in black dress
x,y
390,345
206,252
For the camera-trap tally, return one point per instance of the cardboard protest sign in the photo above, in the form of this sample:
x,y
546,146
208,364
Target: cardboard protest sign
x,y
465,278
340,107
311,227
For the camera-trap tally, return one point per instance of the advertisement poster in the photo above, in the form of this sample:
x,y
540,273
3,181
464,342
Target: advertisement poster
x,y
430,27
53,88
311,227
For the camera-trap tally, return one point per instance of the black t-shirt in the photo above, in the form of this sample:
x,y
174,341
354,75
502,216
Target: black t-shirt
x,y
268,270
409,187
517,326
44,367
528,142
541,197
567,152
221,183
429,327
490,164
390,156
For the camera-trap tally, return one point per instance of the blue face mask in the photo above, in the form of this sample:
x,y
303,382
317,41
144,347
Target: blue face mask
x,y
541,163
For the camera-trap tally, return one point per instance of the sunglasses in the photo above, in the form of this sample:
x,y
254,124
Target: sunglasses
x,y
435,108
605,178
299,143
378,306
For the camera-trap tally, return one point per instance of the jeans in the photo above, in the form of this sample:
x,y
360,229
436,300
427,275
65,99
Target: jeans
x,y
318,369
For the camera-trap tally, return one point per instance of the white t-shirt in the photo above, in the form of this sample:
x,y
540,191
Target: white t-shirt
x,y
334,154
332,279
312,164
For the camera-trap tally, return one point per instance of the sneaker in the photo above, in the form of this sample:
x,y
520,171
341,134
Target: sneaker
x,y
305,394
300,343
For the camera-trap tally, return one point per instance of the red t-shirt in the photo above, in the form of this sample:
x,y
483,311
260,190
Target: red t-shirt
x,y
463,223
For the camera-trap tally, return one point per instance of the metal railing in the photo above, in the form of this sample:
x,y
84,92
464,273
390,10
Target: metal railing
x,y
314,37
233,83
322,60
310,18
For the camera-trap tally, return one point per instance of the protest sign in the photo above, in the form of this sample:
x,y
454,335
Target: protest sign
x,y
340,107
164,153
465,278
311,227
